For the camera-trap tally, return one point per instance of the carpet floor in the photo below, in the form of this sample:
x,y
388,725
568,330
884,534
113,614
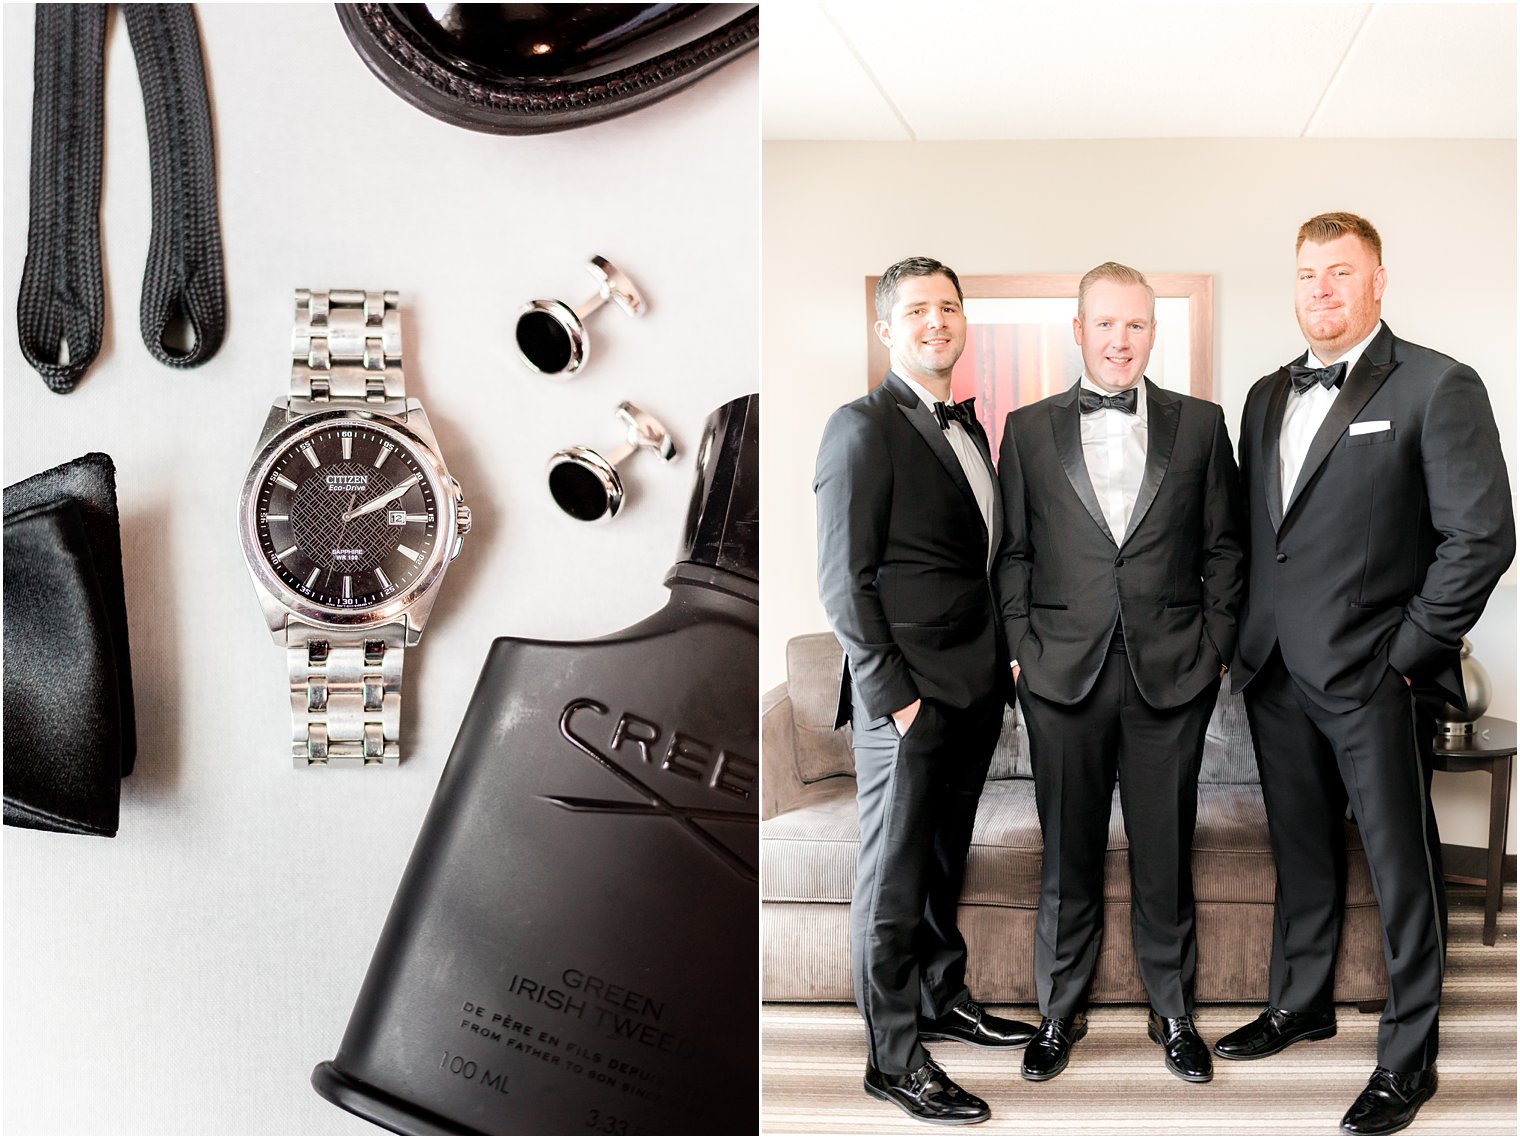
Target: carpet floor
x,y
814,1058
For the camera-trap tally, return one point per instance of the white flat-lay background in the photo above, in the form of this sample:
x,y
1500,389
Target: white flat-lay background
x,y
185,976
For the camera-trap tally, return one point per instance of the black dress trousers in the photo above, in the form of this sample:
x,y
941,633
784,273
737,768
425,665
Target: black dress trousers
x,y
1077,751
1313,763
917,796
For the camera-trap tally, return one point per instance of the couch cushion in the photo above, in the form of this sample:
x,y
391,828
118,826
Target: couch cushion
x,y
1010,760
808,855
813,663
1228,756
812,679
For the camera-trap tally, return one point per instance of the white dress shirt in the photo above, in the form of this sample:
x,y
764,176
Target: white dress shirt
x,y
1114,447
966,451
1305,414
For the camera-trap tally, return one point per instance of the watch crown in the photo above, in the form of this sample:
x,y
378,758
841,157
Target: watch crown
x,y
461,528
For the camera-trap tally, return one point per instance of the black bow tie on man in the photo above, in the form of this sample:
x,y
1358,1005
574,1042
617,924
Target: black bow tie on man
x,y
965,411
1305,378
1126,401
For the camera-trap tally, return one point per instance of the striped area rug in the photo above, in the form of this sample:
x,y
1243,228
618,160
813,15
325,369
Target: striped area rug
x,y
814,1058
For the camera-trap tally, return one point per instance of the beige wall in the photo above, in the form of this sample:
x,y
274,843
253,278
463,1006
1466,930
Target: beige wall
x,y
835,212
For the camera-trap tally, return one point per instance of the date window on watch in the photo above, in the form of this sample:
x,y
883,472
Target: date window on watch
x,y
396,517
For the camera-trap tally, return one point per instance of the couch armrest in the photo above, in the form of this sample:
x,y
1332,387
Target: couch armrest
x,y
781,783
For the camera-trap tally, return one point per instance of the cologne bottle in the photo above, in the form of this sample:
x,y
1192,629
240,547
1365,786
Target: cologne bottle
x,y
573,947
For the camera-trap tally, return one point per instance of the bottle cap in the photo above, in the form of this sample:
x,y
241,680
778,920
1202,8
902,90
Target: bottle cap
x,y
723,524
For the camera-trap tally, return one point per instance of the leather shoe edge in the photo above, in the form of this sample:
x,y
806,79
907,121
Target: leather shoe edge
x,y
1178,1038
958,1107
1322,1027
1383,1108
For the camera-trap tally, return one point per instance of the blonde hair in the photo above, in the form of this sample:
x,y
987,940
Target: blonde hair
x,y
1112,271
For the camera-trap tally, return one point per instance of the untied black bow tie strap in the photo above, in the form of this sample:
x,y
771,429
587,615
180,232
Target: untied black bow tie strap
x,y
964,411
61,311
183,280
1125,401
60,314
1304,378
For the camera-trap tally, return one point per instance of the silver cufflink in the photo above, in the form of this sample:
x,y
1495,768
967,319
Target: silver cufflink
x,y
551,336
586,485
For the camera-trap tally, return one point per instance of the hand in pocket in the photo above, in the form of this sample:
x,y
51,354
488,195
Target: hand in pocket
x,y
903,718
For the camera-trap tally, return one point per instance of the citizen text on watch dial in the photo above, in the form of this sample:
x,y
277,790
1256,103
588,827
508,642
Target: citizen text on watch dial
x,y
347,517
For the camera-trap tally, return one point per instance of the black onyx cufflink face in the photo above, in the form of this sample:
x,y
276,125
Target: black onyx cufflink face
x,y
586,485
551,336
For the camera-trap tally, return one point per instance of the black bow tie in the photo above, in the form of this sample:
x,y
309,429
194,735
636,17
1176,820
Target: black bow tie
x,y
1305,378
965,411
1125,401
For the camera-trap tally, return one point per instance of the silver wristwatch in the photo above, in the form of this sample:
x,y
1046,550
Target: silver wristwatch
x,y
348,520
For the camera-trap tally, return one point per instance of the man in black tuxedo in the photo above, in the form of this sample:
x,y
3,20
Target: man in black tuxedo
x,y
1379,521
908,520
1120,573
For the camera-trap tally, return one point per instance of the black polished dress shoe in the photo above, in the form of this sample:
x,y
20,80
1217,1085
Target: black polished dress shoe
x,y
1273,1031
1187,1056
1389,1102
1047,1054
928,1095
527,68
971,1024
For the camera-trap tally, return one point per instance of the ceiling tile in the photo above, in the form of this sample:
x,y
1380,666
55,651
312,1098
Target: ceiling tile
x,y
1426,71
979,71
890,70
812,86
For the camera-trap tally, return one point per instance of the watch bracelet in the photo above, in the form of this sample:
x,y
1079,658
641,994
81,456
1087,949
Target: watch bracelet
x,y
346,346
345,695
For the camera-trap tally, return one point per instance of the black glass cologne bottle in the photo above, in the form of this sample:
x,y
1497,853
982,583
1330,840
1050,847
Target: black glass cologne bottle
x,y
573,947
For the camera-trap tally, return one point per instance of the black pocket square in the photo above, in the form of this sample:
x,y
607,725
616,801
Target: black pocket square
x,y
70,729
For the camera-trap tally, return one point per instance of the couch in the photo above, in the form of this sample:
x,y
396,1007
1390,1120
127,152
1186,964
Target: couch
x,y
809,841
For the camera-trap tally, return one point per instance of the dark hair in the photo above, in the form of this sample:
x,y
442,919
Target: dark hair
x,y
886,287
1327,227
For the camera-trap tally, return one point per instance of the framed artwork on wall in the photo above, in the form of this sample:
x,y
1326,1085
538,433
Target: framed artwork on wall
x,y
1020,348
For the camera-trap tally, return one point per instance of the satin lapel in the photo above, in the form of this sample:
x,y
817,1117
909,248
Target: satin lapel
x,y
1277,404
1164,413
926,425
984,449
1360,386
1066,422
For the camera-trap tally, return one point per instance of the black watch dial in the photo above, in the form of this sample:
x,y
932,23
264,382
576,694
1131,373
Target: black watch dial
x,y
347,517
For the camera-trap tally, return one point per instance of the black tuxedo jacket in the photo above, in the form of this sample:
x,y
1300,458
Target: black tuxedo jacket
x,y
1393,537
902,558
1066,580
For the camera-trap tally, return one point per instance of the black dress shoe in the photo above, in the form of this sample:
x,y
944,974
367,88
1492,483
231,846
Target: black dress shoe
x,y
970,1023
928,1094
1187,1056
1048,1053
1389,1102
526,68
1273,1031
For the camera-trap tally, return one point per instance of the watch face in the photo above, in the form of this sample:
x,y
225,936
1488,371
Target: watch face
x,y
347,517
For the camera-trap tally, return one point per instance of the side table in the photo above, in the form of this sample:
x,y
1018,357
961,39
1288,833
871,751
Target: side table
x,y
1490,748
